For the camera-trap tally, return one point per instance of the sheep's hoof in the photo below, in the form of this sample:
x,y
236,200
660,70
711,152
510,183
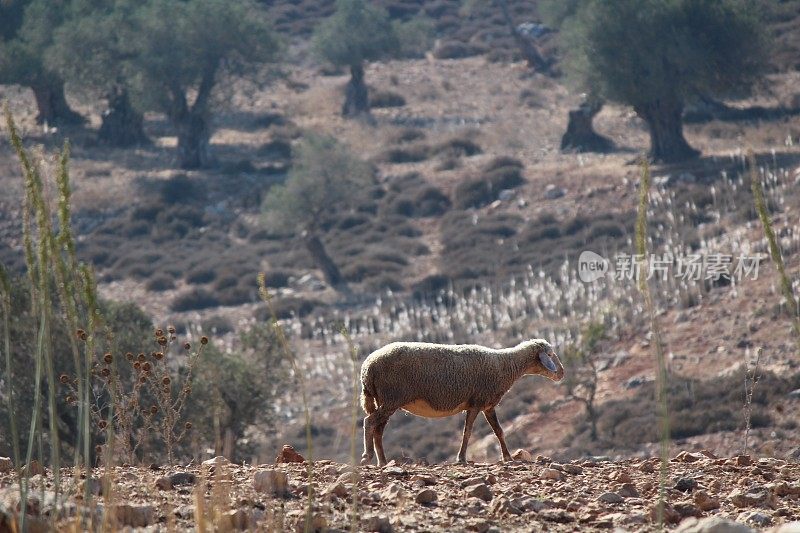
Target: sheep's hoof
x,y
461,460
365,460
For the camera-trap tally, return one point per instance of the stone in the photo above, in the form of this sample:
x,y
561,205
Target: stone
x,y
628,490
522,455
670,515
426,497
573,469
237,520
705,502
183,478
711,524
783,488
610,497
756,518
348,477
289,455
688,509
501,506
647,468
271,481
551,473
688,457
424,479
378,524
6,465
337,489
622,477
558,516
743,460
481,491
552,192
319,524
164,483
132,515
685,484
753,497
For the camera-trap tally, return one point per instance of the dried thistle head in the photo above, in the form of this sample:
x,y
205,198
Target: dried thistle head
x,y
142,380
162,341
105,372
203,340
158,356
171,330
102,424
159,333
187,346
108,358
64,379
98,449
188,425
83,336
141,357
129,356
80,334
187,391
153,409
166,381
137,365
70,399
146,366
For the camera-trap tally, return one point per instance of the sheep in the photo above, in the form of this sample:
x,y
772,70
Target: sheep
x,y
438,380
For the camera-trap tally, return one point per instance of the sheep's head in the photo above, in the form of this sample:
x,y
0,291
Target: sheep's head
x,y
544,360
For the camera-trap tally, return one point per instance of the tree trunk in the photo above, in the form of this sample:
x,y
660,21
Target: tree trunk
x,y
122,124
194,139
322,259
356,96
580,135
665,122
524,43
52,104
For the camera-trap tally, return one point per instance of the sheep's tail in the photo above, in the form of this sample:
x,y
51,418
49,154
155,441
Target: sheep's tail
x,y
368,402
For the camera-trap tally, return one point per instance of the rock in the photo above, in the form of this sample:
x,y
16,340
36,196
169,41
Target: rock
x,y
337,489
271,481
622,477
501,506
319,524
573,469
164,483
688,457
711,524
610,497
348,477
132,515
289,455
233,521
795,394
183,478
531,504
756,518
426,496
95,486
378,523
558,516
628,490
783,488
685,484
688,509
743,460
506,194
522,455
394,470
670,515
424,479
551,473
216,461
34,469
6,465
552,192
481,491
791,527
647,468
705,502
754,497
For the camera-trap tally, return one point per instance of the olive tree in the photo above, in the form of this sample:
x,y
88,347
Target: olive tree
x,y
26,28
91,49
357,32
654,55
325,178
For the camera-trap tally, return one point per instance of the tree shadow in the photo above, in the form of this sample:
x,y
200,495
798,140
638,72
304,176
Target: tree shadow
x,y
708,169
714,110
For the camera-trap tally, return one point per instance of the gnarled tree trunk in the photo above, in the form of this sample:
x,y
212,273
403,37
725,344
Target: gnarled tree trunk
x,y
122,124
356,96
194,140
322,259
52,104
580,135
664,119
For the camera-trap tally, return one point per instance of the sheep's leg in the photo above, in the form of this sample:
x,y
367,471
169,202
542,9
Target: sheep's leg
x,y
462,453
369,448
380,425
491,417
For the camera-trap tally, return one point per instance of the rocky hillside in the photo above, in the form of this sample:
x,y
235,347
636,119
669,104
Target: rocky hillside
x,y
703,494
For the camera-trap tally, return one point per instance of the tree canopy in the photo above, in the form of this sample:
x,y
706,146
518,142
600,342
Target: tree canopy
x,y
355,33
654,55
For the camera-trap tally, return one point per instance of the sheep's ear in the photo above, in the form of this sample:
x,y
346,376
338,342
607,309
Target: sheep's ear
x,y
547,362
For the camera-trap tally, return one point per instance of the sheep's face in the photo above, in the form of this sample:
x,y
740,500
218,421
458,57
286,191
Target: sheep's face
x,y
545,362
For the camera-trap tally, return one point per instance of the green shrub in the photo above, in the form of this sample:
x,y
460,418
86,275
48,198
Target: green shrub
x,y
160,282
473,193
384,99
407,154
193,300
201,275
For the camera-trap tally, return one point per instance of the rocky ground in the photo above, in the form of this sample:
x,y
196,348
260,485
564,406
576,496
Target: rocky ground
x,y
704,493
